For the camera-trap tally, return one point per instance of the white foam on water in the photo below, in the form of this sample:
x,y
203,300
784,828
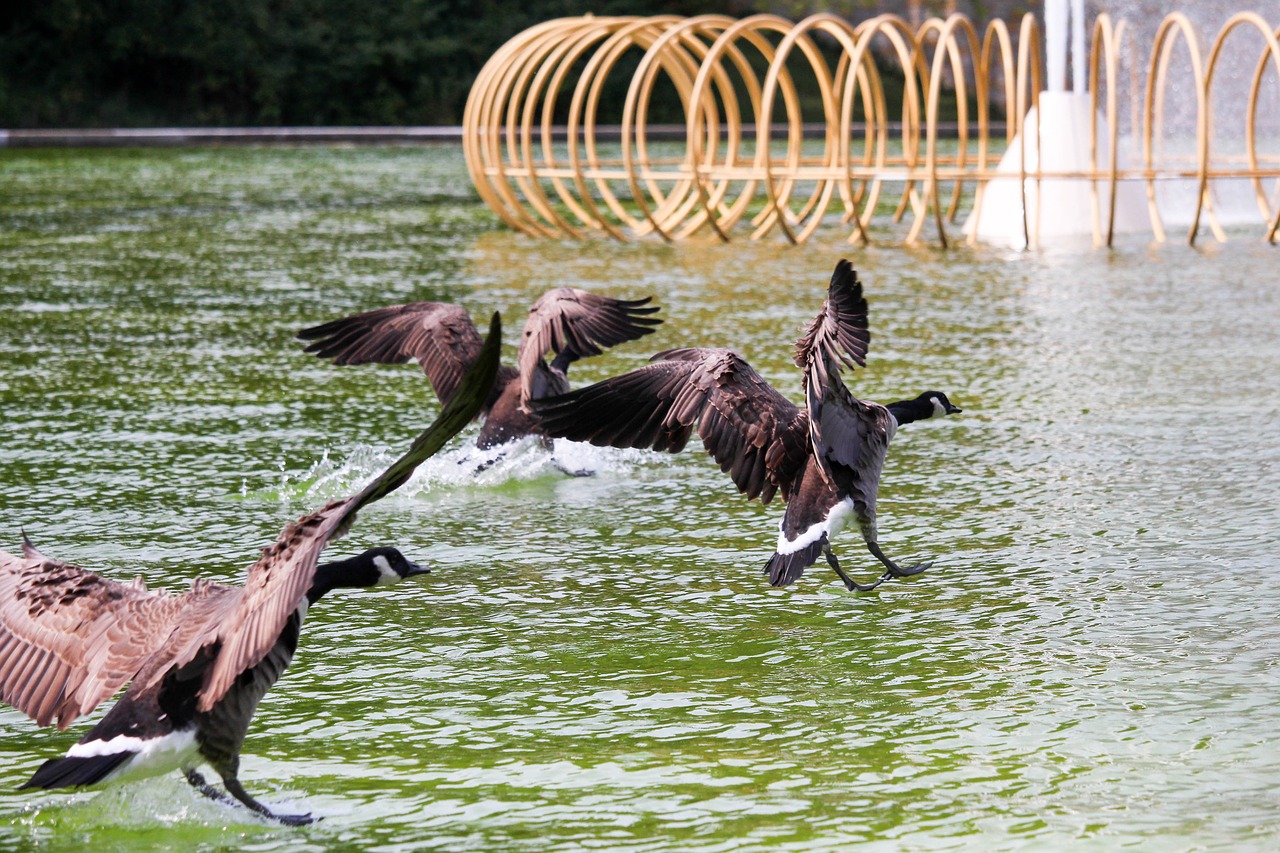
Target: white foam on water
x,y
335,475
163,803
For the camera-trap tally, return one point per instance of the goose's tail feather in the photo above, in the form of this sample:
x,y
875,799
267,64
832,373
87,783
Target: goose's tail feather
x,y
784,569
76,771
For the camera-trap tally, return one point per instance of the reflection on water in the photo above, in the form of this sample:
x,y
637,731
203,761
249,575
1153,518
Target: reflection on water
x,y
596,662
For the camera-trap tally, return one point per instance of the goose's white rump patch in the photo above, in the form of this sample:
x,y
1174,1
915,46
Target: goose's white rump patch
x,y
837,518
151,756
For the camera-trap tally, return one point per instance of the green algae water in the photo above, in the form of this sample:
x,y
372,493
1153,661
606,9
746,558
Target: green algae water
x,y
596,663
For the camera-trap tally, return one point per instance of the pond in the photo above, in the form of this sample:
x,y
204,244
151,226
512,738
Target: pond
x,y
596,662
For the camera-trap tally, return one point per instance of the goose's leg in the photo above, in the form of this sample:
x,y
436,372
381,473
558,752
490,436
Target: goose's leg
x,y
549,446
581,472
849,582
485,466
237,790
892,569
198,782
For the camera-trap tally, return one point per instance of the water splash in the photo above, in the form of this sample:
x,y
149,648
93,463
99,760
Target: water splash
x,y
466,467
157,813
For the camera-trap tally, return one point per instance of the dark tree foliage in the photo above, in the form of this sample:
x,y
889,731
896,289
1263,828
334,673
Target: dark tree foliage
x,y
137,63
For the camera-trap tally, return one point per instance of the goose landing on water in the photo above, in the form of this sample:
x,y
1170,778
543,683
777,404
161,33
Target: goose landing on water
x,y
573,323
197,662
825,458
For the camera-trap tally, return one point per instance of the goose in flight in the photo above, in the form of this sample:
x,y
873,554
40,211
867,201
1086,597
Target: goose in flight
x,y
197,662
825,457
440,336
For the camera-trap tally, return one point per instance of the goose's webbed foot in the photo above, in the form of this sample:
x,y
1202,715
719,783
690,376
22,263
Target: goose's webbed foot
x,y
899,572
237,790
850,583
572,472
892,569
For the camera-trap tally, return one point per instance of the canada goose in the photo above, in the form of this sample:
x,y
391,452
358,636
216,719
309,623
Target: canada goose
x,y
198,661
825,458
574,323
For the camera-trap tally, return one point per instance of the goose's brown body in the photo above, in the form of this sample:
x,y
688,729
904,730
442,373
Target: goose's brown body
x,y
571,322
198,662
824,457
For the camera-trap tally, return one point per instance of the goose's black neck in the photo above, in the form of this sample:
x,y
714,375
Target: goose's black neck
x,y
906,411
563,359
927,405
340,573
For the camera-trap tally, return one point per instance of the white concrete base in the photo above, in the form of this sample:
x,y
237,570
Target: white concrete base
x,y
1056,207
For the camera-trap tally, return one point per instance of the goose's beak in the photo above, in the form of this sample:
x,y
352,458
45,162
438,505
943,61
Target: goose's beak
x,y
415,569
951,410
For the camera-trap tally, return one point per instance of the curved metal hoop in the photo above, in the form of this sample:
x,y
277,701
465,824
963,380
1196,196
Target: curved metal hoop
x,y
787,127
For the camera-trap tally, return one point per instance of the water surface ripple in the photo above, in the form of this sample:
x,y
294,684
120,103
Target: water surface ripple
x,y
596,663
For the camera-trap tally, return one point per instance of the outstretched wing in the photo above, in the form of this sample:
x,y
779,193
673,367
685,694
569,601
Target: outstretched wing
x,y
439,335
281,577
578,324
69,638
838,335
839,424
756,435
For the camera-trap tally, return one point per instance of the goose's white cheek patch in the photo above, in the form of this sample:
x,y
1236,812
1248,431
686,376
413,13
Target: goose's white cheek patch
x,y
386,574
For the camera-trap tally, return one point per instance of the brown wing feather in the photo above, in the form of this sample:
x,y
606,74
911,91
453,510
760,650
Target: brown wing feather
x,y
581,322
439,335
69,638
851,440
755,434
839,334
278,581
275,587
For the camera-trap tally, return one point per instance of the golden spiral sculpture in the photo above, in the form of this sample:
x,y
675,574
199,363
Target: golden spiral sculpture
x,y
789,127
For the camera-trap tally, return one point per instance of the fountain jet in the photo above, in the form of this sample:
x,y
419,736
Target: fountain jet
x,y
1054,140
